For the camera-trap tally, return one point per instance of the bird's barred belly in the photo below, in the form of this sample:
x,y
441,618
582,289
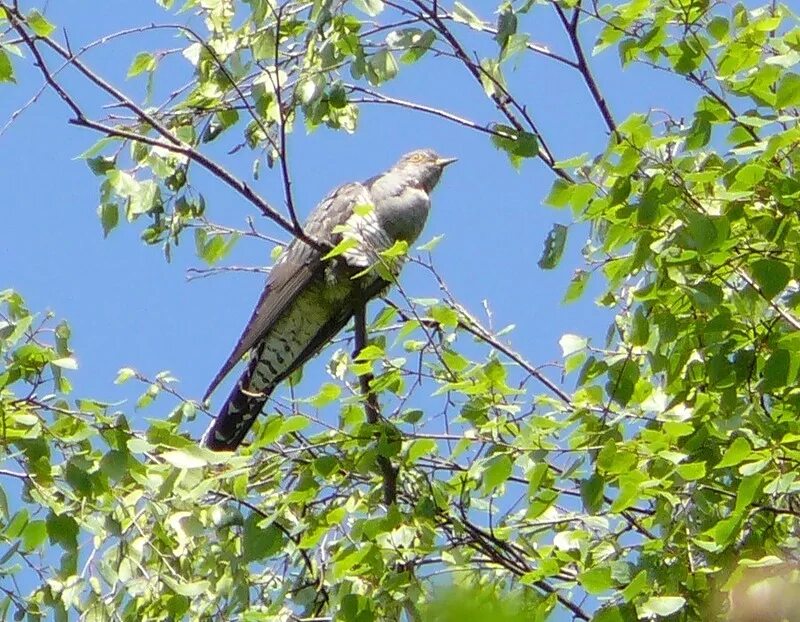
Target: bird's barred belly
x,y
294,331
318,304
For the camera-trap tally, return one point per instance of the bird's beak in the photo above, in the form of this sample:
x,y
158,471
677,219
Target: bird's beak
x,y
445,161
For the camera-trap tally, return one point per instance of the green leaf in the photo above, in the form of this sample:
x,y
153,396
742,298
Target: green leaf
x,y
6,68
788,93
553,247
771,276
660,606
398,249
702,231
463,14
560,193
640,328
748,176
325,465
609,35
596,580
725,530
123,183
328,393
17,524
33,536
592,493
577,286
349,558
455,361
445,315
382,67
214,248
413,416
691,471
638,585
192,589
622,378
572,343
125,374
780,370
419,45
109,217
699,134
431,244
144,61
363,209
189,458
341,248
63,530
496,471
295,423
97,148
39,24
4,511
516,143
260,542
615,613
718,27
100,165
66,362
749,488
737,452
707,296
506,28
370,7
421,447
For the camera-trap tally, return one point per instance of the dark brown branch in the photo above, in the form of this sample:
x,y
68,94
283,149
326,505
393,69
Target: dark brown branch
x,y
571,27
698,81
372,408
502,99
379,98
481,333
510,557
283,156
536,48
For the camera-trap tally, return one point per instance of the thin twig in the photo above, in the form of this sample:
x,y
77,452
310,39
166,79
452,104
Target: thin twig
x,y
571,27
193,274
379,98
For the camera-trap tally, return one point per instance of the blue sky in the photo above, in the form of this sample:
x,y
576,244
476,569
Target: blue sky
x,y
127,307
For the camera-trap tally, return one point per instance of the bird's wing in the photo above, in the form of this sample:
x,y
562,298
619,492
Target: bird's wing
x,y
299,264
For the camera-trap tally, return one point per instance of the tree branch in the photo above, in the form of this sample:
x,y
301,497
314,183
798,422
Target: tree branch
x,y
571,27
372,408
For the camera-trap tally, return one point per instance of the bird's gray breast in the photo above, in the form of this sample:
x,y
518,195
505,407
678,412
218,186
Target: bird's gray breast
x,y
403,214
398,212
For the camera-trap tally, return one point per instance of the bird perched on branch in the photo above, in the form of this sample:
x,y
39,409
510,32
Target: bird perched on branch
x,y
309,297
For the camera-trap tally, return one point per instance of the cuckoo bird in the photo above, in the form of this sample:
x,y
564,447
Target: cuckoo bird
x,y
308,299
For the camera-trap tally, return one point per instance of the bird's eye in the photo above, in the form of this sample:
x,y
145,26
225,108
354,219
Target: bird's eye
x,y
417,157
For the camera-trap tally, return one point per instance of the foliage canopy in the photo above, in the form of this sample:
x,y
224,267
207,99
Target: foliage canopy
x,y
657,481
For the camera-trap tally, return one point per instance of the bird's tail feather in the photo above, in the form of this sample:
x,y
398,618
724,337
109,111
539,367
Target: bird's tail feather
x,y
245,402
238,414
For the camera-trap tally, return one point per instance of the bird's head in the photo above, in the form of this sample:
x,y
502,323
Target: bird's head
x,y
424,166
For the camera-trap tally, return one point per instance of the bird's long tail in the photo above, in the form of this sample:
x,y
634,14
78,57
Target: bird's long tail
x,y
239,412
290,344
